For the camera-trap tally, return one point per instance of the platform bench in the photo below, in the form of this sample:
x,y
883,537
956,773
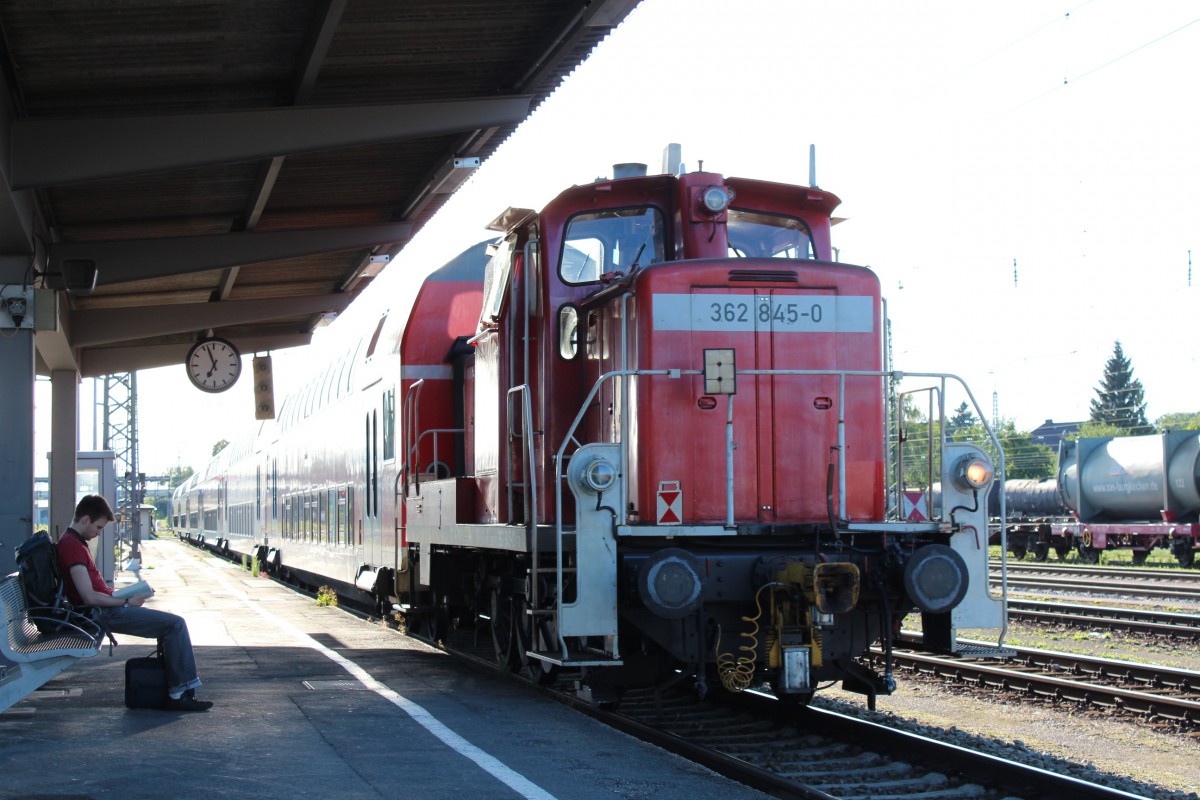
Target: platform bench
x,y
28,657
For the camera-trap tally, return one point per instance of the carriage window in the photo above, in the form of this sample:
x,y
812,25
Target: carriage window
x,y
756,235
389,424
328,510
342,494
611,241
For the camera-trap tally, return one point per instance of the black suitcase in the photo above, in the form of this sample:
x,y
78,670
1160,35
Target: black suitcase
x,y
145,682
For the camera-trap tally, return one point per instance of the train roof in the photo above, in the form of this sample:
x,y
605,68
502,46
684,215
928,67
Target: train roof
x,y
466,266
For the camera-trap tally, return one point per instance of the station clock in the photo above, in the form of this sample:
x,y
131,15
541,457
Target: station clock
x,y
213,364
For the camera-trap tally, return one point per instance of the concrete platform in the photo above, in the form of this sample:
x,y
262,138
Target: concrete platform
x,y
312,702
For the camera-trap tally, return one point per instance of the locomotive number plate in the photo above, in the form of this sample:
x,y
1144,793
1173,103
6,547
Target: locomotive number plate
x,y
791,313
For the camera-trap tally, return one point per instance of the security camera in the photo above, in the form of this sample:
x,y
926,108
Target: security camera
x,y
16,310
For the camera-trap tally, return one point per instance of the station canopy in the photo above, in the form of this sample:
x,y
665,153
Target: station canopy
x,y
247,166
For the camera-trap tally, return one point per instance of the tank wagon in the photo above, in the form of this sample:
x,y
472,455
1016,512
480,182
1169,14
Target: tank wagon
x,y
647,440
1131,492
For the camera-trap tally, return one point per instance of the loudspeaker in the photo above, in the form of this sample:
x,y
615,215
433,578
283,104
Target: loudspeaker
x,y
264,389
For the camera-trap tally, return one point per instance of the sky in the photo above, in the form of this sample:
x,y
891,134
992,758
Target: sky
x,y
961,138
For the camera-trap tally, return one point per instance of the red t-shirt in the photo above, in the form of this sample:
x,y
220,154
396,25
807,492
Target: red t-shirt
x,y
72,550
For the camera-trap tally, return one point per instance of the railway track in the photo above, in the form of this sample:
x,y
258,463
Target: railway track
x,y
819,753
1156,693
792,752
1139,621
1176,586
1173,574
795,752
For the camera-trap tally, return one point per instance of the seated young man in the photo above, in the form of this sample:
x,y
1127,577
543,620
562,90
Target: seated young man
x,y
85,586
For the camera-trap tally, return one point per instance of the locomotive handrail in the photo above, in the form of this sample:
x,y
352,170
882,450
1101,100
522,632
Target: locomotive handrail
x,y
404,470
559,475
413,434
901,438
893,375
999,476
530,472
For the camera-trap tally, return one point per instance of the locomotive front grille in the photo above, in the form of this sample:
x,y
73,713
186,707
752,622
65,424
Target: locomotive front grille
x,y
763,276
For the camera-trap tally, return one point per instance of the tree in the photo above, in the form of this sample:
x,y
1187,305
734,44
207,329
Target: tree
x,y
1120,398
219,446
1178,421
962,419
1096,430
1023,458
177,475
162,503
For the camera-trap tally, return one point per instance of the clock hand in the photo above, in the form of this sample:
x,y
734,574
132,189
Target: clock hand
x,y
211,358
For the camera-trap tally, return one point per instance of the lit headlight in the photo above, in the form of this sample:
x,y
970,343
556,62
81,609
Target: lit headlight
x,y
714,199
973,473
600,475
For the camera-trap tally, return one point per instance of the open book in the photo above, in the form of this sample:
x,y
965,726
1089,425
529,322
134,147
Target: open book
x,y
139,589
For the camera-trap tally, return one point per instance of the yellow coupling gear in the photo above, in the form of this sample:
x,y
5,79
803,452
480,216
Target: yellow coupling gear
x,y
832,587
828,588
835,587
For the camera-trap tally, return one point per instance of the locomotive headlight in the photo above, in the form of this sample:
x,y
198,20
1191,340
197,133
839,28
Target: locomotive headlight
x,y
714,199
973,472
600,475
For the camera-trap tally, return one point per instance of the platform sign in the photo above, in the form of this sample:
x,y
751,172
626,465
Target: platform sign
x,y
670,503
915,507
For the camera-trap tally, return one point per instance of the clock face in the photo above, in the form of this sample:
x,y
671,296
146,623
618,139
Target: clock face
x,y
213,365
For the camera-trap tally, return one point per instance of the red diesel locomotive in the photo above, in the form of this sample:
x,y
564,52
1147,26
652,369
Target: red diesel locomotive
x,y
651,442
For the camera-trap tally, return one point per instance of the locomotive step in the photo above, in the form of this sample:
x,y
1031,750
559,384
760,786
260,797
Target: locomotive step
x,y
962,649
575,658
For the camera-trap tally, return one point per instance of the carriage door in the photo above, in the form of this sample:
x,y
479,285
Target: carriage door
x,y
388,480
371,546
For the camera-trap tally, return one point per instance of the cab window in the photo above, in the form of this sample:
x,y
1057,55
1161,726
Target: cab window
x,y
495,280
611,241
753,234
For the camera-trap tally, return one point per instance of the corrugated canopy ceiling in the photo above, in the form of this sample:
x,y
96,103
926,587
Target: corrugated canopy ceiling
x,y
241,166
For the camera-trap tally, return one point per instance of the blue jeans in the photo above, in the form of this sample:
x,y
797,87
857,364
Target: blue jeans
x,y
172,633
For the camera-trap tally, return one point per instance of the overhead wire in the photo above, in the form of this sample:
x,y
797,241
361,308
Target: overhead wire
x,y
1057,19
1069,82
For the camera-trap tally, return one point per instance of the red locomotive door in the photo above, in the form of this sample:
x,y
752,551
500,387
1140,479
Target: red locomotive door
x,y
785,426
722,319
798,413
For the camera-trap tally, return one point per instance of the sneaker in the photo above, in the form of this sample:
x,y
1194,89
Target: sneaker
x,y
187,703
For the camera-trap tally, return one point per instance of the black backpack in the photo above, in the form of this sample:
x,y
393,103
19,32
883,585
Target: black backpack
x,y
45,601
